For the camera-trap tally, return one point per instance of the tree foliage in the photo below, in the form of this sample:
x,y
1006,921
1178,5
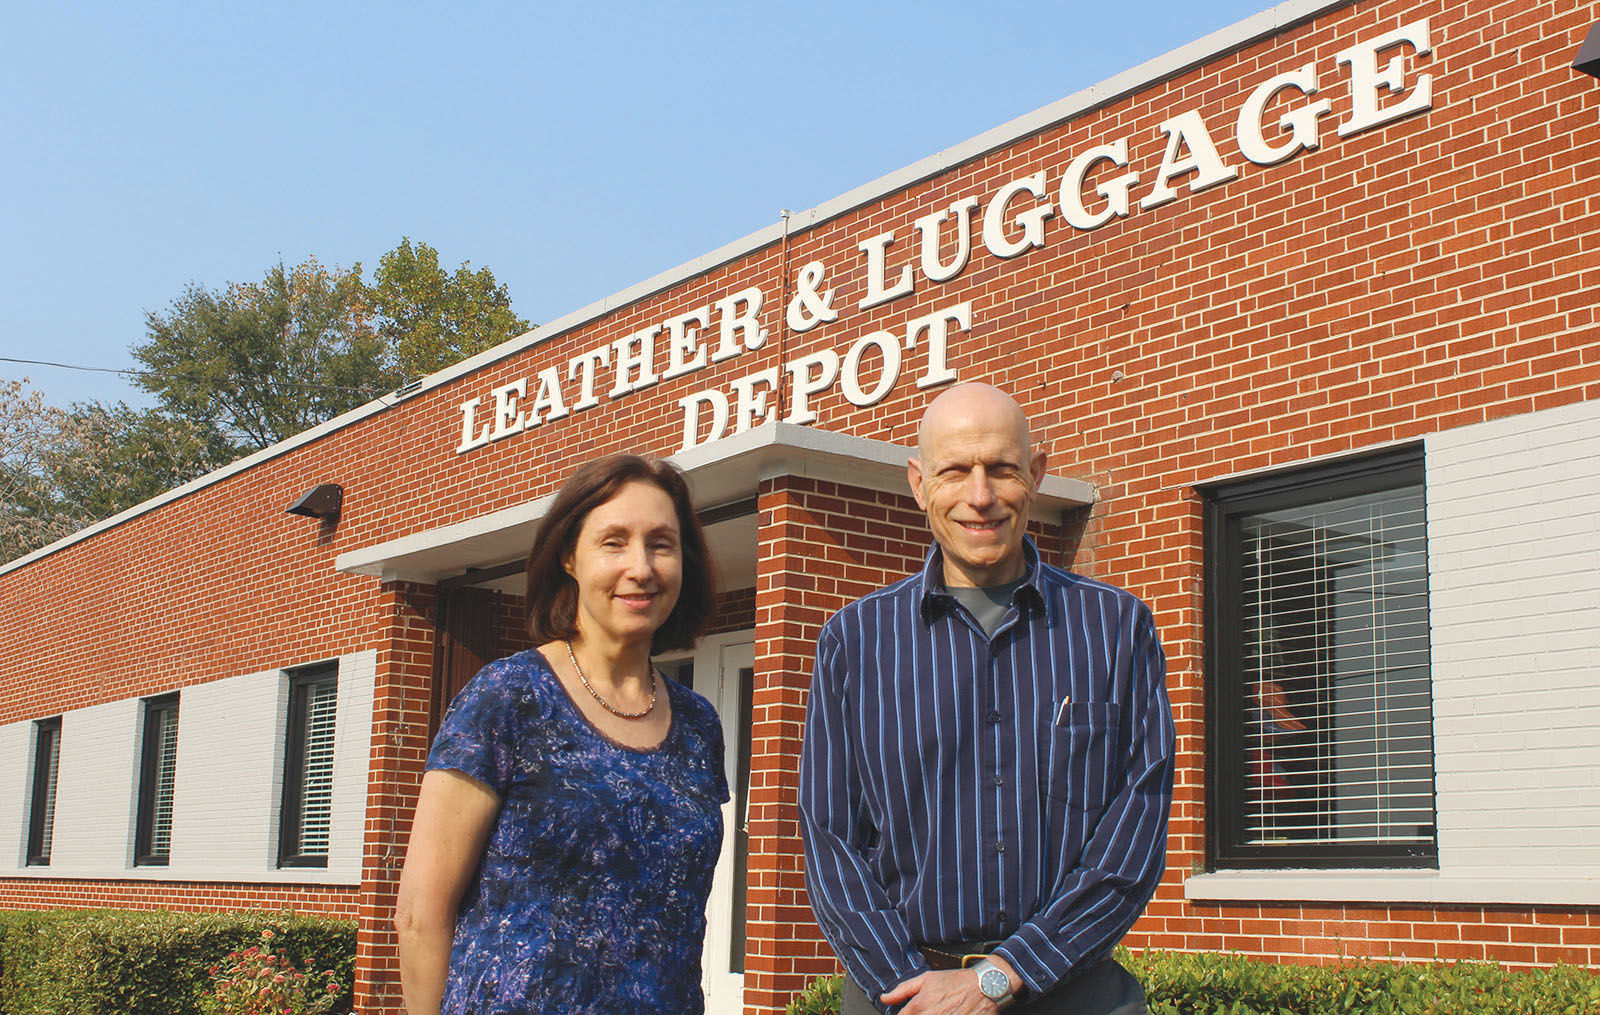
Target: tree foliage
x,y
238,369
258,362
429,318
63,469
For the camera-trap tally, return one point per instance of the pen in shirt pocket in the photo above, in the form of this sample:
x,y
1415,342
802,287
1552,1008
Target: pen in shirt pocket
x,y
1061,713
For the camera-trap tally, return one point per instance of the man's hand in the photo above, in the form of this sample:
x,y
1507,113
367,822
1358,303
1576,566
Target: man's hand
x,y
947,992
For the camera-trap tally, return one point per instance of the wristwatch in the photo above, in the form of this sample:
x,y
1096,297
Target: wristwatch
x,y
994,983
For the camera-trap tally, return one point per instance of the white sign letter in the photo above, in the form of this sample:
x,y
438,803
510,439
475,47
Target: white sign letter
x,y
753,405
584,366
810,306
691,416
1114,191
850,376
807,384
734,324
507,417
636,352
1031,221
878,291
1300,124
928,226
1365,79
939,371
471,436
1187,130
547,403
684,352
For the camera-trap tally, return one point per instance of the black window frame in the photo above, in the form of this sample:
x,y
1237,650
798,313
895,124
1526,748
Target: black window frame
x,y
302,684
155,712
1226,753
42,799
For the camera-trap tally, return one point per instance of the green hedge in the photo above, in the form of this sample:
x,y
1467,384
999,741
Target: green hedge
x,y
1209,984
122,962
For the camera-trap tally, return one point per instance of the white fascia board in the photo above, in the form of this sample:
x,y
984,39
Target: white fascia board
x,y
1236,36
477,542
718,472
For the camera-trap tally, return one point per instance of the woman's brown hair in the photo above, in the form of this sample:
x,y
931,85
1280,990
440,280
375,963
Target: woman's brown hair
x,y
552,600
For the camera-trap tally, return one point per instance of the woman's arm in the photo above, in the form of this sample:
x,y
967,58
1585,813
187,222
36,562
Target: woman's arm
x,y
455,813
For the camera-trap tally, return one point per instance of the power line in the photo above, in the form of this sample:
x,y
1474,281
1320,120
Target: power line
x,y
66,366
129,373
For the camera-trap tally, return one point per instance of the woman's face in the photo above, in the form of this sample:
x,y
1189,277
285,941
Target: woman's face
x,y
628,563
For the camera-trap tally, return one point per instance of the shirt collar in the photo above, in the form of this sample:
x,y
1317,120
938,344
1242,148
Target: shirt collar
x,y
934,596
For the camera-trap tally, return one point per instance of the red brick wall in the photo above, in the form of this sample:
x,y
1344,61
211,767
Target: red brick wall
x,y
1429,273
335,901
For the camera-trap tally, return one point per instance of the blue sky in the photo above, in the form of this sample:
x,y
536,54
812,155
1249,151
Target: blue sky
x,y
573,150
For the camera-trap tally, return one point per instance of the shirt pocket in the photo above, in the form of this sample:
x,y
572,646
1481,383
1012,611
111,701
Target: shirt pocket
x,y
1083,745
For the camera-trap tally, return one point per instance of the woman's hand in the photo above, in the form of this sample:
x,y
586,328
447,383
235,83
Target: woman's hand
x,y
455,813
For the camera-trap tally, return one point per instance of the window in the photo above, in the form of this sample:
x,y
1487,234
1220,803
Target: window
x,y
308,768
158,770
1319,708
42,810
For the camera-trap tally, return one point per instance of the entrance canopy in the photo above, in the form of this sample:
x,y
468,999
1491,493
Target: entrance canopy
x,y
723,475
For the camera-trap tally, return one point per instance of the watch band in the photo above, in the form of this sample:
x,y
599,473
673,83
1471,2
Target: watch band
x,y
994,983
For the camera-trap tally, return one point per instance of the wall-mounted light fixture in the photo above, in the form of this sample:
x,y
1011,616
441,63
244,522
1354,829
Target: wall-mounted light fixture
x,y
1588,59
322,501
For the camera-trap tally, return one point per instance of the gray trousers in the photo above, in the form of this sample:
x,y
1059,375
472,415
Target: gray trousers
x,y
1107,989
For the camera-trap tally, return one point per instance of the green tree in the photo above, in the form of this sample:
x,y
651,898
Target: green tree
x,y
429,317
256,363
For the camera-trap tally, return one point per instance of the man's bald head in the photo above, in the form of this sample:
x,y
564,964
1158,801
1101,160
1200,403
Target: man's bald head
x,y
968,402
976,475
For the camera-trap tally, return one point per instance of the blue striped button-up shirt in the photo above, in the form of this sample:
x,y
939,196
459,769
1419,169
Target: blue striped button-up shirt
x,y
961,787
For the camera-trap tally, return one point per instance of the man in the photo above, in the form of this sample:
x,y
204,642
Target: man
x,y
987,766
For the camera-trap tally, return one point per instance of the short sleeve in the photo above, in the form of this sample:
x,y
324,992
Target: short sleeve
x,y
704,756
479,733
719,765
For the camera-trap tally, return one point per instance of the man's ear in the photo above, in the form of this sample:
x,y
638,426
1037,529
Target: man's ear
x,y
914,479
1038,468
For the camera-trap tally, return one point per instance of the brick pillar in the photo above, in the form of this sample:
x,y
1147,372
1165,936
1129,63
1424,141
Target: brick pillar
x,y
819,546
399,749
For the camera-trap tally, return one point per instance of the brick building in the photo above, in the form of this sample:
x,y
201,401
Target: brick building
x,y
1304,312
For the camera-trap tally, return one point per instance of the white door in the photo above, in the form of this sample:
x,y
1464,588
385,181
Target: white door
x,y
724,672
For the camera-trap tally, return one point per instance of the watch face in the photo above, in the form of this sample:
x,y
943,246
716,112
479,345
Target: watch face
x,y
994,983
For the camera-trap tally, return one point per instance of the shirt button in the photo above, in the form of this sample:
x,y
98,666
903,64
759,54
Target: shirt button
x,y
999,780
1002,917
993,717
999,847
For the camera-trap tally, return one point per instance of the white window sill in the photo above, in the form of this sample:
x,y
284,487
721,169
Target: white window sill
x,y
1389,886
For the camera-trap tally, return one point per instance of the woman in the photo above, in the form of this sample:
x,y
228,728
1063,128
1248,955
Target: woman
x,y
570,817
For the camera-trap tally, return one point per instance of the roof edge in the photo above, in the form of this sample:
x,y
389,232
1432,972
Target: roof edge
x,y
1236,36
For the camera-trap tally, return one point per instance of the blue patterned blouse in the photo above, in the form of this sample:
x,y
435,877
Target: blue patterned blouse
x,y
591,897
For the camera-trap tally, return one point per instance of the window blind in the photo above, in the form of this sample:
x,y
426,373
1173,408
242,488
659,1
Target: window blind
x,y
1338,730
48,755
316,801
166,775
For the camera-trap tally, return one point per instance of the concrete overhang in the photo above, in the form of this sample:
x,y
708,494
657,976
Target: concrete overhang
x,y
719,473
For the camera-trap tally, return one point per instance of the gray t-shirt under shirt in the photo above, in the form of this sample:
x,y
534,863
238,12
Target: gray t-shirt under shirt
x,y
988,606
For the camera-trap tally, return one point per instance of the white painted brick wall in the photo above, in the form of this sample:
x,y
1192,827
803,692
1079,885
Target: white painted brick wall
x,y
352,748
1514,561
230,771
16,762
96,787
228,790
